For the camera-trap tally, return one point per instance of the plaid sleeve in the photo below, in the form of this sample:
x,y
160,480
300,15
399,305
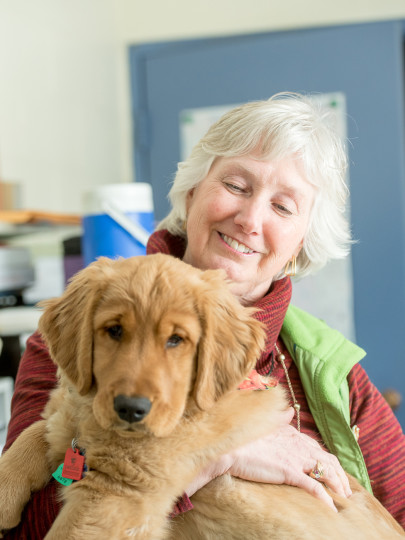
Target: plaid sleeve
x,y
382,442
35,379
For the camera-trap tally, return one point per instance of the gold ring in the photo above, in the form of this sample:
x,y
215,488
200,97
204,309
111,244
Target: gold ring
x,y
317,472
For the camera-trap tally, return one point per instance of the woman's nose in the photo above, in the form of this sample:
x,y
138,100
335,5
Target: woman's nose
x,y
250,216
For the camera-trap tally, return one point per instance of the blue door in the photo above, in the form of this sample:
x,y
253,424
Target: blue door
x,y
365,62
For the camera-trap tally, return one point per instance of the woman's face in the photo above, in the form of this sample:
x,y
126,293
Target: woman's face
x,y
249,217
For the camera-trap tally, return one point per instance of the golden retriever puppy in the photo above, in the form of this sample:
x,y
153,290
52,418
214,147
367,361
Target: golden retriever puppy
x,y
150,352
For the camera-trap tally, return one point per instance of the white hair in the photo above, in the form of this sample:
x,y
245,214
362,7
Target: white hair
x,y
285,125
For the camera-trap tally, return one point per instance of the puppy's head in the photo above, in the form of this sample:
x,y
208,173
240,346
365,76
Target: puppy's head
x,y
148,334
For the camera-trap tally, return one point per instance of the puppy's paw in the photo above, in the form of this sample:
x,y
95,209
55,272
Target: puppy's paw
x,y
14,495
10,516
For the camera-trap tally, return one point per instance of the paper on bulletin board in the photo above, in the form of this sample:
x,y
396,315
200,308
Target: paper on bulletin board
x,y
329,293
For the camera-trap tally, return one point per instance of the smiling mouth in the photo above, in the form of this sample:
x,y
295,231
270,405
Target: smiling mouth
x,y
240,248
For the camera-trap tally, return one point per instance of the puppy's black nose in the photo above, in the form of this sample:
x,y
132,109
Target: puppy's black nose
x,y
132,409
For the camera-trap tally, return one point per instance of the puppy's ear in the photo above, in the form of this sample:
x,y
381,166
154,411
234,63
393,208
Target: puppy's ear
x,y
67,323
231,340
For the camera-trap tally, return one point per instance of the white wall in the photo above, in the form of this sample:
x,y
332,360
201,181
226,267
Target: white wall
x,y
154,20
65,122
59,121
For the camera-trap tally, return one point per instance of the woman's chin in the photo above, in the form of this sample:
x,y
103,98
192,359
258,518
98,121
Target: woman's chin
x,y
247,292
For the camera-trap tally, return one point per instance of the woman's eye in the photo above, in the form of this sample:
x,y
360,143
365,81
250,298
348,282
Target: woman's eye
x,y
282,209
115,332
234,187
173,341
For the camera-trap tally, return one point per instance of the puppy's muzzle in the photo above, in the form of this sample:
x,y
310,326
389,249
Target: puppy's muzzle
x,y
132,409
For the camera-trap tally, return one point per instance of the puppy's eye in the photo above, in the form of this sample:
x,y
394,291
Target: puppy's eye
x,y
173,341
115,332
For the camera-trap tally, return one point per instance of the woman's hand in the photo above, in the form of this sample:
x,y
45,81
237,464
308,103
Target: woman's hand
x,y
283,457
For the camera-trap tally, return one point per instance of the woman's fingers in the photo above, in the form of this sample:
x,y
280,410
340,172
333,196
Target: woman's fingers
x,y
331,473
342,478
316,489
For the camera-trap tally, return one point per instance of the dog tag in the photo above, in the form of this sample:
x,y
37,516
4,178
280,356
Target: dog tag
x,y
73,465
58,476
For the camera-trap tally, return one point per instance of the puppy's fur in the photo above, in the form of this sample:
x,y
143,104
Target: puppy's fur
x,y
156,329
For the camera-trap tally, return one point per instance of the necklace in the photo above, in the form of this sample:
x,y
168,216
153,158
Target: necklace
x,y
296,405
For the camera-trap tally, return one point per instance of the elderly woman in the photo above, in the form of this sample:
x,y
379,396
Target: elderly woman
x,y
262,196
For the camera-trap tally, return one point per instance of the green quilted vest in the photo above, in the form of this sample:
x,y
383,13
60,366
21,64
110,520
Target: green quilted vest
x,y
324,358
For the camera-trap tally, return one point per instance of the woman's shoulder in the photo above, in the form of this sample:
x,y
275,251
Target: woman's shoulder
x,y
313,334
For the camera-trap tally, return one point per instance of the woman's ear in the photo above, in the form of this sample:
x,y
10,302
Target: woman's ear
x,y
189,198
67,324
231,340
298,249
